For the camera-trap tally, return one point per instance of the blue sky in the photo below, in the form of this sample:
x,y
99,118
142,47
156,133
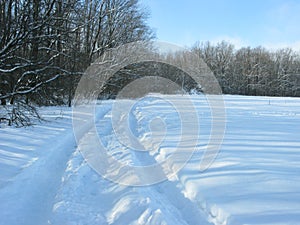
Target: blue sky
x,y
270,23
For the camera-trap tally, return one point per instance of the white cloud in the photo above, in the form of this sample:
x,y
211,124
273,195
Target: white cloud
x,y
239,43
293,45
236,41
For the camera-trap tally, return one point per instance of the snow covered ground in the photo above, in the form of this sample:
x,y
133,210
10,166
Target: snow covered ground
x,y
255,179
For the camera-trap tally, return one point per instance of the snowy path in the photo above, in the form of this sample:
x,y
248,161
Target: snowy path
x,y
37,187
84,194
29,199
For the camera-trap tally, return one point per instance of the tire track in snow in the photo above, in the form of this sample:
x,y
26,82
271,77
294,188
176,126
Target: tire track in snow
x,y
174,191
167,192
85,198
79,197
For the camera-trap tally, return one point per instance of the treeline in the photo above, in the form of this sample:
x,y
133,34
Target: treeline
x,y
252,71
45,45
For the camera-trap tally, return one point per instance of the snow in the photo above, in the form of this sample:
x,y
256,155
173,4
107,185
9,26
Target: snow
x,y
44,178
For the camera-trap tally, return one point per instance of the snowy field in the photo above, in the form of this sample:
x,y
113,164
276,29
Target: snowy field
x,y
44,179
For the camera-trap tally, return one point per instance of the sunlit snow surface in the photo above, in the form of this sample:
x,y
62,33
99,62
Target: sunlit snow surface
x,y
254,179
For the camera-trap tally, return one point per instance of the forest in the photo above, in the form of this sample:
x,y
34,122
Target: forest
x,y
253,71
46,45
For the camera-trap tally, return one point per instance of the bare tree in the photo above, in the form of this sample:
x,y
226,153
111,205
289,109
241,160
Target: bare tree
x,y
45,45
